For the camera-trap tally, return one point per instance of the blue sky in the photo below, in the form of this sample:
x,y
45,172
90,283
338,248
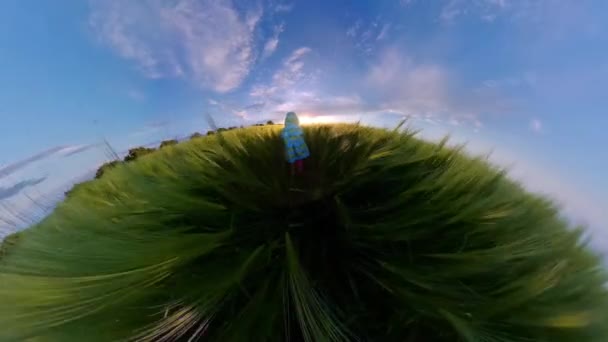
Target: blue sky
x,y
526,79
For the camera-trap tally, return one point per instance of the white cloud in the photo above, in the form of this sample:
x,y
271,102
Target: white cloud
x,y
526,79
270,46
272,42
260,90
290,90
536,126
290,73
76,149
312,103
450,11
383,32
393,82
498,3
419,87
292,69
486,10
206,41
10,169
366,36
396,81
284,7
253,17
352,31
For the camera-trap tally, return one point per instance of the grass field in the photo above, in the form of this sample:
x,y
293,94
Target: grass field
x,y
383,238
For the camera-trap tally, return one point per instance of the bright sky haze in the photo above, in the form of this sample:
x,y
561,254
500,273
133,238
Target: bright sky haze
x,y
526,79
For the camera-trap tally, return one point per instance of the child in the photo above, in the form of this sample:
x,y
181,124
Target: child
x,y
295,146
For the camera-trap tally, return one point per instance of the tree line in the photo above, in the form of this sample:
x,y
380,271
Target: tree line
x,y
137,152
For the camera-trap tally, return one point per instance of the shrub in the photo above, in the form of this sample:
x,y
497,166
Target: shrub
x,y
105,167
137,152
383,238
195,135
168,143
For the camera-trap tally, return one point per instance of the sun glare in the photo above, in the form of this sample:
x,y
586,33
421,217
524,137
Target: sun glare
x,y
318,119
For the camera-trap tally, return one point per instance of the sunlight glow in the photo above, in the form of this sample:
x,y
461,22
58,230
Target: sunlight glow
x,y
320,119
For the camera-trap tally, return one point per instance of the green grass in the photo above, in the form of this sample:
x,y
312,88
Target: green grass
x,y
384,238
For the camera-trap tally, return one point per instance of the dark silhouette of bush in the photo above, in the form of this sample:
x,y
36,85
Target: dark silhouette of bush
x,y
168,143
269,122
210,132
98,174
196,135
137,152
105,167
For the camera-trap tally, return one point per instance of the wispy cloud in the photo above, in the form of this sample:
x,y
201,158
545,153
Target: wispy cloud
x,y
402,82
451,10
291,88
292,70
10,191
546,20
353,30
284,7
286,76
392,83
526,79
273,42
398,82
26,208
227,107
486,10
367,35
384,32
312,103
11,168
208,42
73,150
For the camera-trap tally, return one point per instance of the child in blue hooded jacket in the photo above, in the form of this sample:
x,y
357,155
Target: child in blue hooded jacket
x,y
296,149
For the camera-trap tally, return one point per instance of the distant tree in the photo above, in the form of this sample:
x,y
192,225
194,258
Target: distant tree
x,y
103,168
221,129
210,132
232,127
195,135
137,152
168,143
269,122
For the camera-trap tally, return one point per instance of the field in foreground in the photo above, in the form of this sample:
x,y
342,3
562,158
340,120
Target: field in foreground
x,y
383,238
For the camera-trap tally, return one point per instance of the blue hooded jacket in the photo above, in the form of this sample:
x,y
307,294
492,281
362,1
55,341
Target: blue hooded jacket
x,y
293,136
